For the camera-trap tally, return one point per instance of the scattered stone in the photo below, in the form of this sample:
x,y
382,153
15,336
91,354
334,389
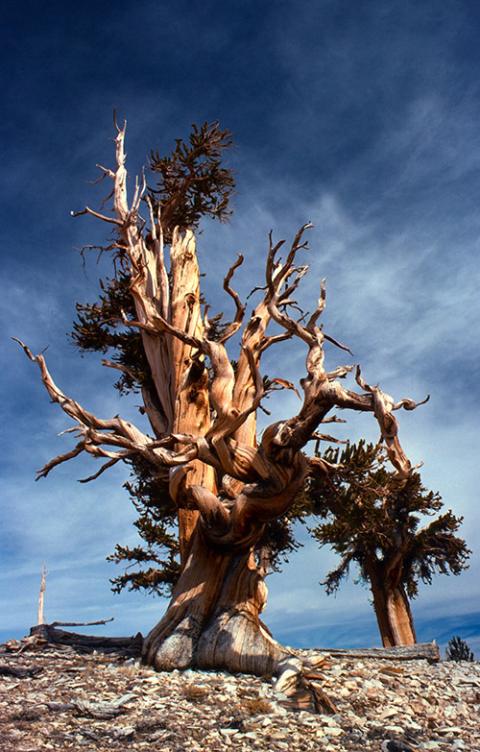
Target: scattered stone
x,y
329,731
104,703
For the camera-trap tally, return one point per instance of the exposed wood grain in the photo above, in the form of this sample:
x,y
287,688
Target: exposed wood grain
x,y
422,650
132,645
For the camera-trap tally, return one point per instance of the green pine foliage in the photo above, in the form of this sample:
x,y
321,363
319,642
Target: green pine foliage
x,y
191,181
153,565
458,650
372,520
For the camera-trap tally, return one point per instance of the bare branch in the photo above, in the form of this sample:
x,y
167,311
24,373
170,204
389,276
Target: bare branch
x,y
93,213
43,472
337,343
320,466
104,467
283,384
326,437
120,367
240,307
383,405
96,433
140,190
340,372
236,421
273,340
72,408
229,418
107,172
322,301
162,325
276,275
409,404
115,123
256,289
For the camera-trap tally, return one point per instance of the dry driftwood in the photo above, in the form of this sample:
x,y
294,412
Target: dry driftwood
x,y
19,672
422,650
100,710
79,623
41,595
130,645
103,710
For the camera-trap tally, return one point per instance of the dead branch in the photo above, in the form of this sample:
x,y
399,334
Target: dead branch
x,y
104,467
41,595
235,325
19,672
51,635
383,405
120,367
96,433
98,215
80,623
428,651
322,391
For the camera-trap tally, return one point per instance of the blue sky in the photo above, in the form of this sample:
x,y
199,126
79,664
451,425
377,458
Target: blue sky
x,y
361,117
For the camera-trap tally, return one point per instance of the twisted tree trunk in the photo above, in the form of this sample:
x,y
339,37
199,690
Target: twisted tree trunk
x,y
394,616
213,618
226,485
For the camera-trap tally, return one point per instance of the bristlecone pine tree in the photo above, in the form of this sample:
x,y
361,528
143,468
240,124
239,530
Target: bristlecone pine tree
x,y
224,486
458,650
375,521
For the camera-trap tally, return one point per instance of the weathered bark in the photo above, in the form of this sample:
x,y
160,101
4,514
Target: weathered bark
x,y
189,380
213,618
394,616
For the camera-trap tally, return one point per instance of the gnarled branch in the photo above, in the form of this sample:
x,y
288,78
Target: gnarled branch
x,y
96,433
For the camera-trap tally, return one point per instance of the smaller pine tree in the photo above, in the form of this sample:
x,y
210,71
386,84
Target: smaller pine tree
x,y
379,523
458,650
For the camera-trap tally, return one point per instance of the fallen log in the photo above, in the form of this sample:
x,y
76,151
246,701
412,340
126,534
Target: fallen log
x,y
103,710
131,646
19,672
421,651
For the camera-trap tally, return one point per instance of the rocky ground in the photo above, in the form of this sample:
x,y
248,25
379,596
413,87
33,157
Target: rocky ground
x,y
97,702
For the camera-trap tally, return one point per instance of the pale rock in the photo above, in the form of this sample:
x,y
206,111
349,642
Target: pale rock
x,y
334,731
388,712
413,726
